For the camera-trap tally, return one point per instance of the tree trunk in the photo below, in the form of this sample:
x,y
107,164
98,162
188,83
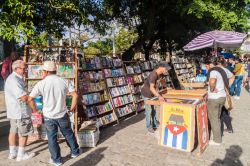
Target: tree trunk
x,y
129,53
8,47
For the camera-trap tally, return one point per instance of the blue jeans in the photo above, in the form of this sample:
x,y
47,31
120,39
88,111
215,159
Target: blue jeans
x,y
151,116
52,126
236,85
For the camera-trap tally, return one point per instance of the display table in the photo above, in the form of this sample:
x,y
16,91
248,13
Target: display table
x,y
181,115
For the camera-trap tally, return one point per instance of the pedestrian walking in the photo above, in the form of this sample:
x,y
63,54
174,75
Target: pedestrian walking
x,y
149,90
18,112
54,89
239,72
218,85
7,65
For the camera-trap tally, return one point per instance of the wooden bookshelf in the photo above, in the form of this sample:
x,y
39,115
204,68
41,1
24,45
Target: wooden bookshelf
x,y
34,57
183,69
121,91
91,75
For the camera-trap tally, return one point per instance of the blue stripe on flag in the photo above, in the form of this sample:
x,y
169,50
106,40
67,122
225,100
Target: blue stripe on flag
x,y
165,136
174,141
184,140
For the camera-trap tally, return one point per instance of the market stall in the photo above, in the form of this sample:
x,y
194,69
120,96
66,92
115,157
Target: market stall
x,y
182,115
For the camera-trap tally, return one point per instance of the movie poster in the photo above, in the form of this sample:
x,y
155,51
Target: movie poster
x,y
177,126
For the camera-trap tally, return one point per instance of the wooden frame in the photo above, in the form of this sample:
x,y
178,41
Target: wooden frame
x,y
75,78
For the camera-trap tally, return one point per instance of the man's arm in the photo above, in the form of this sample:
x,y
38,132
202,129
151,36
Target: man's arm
x,y
74,100
32,104
212,84
155,93
24,98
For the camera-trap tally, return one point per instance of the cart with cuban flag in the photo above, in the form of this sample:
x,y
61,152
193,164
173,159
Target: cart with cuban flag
x,y
182,115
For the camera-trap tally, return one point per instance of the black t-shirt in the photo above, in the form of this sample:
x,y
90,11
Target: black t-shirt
x,y
152,78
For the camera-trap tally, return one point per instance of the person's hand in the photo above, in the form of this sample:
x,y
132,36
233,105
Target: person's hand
x,y
161,98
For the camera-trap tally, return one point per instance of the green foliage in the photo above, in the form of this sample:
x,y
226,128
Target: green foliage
x,y
124,39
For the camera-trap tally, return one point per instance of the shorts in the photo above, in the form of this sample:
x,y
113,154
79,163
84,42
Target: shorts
x,y
23,126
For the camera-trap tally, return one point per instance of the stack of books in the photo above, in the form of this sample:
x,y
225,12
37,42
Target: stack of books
x,y
111,82
122,100
117,91
104,108
126,110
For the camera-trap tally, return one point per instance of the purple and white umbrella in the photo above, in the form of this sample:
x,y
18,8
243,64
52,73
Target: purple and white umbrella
x,y
224,39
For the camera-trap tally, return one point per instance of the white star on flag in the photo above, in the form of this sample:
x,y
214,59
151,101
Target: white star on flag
x,y
176,128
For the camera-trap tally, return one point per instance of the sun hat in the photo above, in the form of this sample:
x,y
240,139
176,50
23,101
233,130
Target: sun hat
x,y
49,66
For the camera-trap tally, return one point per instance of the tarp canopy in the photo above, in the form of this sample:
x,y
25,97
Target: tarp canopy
x,y
223,39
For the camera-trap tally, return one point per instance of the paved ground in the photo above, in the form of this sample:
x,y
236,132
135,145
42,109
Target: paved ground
x,y
129,144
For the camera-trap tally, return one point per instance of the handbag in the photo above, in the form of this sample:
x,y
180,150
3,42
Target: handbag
x,y
229,102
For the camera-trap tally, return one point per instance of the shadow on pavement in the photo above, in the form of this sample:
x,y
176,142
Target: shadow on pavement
x,y
109,131
91,159
231,158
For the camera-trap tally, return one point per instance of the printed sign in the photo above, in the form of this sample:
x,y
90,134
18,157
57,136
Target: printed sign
x,y
177,126
202,125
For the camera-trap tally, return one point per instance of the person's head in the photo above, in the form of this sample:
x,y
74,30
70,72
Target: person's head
x,y
13,56
163,68
248,60
231,60
210,63
18,67
238,60
49,68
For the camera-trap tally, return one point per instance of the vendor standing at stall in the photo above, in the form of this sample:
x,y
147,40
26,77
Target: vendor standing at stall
x,y
149,90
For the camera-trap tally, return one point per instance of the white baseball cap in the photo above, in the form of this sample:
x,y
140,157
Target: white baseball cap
x,y
49,66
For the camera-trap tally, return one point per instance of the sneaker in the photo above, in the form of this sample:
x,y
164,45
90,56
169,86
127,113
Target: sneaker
x,y
211,142
237,97
75,155
151,130
26,156
54,163
12,156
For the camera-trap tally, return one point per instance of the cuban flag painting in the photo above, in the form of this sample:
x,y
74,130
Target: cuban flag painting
x,y
176,136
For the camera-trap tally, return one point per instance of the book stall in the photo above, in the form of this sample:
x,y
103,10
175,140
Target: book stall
x,y
66,60
108,89
185,74
182,115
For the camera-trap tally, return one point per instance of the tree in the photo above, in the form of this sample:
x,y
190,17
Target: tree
x,y
175,21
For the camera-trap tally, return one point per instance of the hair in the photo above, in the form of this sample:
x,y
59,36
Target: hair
x,y
17,64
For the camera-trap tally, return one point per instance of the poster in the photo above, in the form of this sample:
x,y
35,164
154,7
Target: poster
x,y
177,126
202,125
66,70
35,71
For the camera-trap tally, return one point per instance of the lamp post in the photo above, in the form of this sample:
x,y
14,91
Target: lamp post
x,y
113,37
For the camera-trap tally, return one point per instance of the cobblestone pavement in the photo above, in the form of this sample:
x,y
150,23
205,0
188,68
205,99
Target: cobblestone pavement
x,y
129,144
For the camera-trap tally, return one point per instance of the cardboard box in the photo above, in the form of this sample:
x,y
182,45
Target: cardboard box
x,y
88,138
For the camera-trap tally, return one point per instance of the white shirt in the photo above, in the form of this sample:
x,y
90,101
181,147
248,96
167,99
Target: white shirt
x,y
54,90
219,84
15,87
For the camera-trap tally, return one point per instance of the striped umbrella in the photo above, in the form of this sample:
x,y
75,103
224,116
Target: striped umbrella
x,y
224,39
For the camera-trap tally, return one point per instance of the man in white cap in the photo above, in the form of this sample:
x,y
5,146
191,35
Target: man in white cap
x,y
54,90
18,112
